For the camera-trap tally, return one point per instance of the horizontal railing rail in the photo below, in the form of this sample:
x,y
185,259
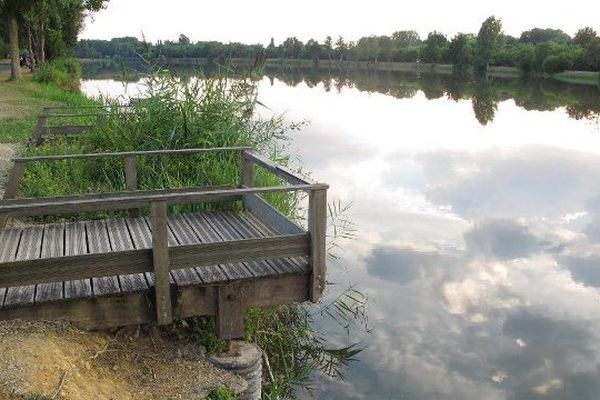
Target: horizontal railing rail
x,y
127,154
87,203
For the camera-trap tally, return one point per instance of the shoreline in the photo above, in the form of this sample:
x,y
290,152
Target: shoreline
x,y
574,77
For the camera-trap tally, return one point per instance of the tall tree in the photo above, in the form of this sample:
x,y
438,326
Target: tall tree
x,y
436,46
489,41
460,51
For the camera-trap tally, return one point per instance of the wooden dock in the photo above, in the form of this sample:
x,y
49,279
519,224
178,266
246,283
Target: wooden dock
x,y
160,267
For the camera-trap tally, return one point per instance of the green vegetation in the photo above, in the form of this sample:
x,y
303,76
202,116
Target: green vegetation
x,y
222,393
21,102
489,48
48,27
62,72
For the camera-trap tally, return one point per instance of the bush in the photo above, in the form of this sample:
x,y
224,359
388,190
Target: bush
x,y
556,64
63,72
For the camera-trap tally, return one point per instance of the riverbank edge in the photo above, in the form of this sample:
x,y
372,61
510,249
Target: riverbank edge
x,y
573,77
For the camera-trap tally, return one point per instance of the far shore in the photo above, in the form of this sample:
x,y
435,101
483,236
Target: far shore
x,y
575,77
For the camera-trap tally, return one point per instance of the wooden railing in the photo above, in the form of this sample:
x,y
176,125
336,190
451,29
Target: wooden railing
x,y
293,241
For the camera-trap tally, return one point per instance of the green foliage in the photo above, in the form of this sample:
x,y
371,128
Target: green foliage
x,y
222,393
556,63
489,40
537,35
436,47
460,51
63,72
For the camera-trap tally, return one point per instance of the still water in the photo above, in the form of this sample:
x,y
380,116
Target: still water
x,y
477,206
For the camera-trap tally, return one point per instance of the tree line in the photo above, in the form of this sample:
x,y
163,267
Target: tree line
x,y
535,51
41,30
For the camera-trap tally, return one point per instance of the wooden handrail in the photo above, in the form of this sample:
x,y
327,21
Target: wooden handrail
x,y
276,169
127,153
57,205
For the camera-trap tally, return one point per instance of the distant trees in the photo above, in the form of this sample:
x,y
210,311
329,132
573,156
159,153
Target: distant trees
x,y
460,51
436,48
535,51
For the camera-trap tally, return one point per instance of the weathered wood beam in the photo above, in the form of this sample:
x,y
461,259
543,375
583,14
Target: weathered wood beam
x,y
51,206
317,226
276,169
161,262
230,312
271,215
136,308
131,180
13,184
57,269
129,153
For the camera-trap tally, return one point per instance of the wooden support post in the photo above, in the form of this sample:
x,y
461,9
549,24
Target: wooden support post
x,y
131,179
230,313
160,261
12,185
317,227
41,127
247,171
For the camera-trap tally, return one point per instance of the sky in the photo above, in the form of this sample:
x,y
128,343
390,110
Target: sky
x,y
257,21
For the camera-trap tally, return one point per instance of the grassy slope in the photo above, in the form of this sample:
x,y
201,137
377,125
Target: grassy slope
x,y
21,102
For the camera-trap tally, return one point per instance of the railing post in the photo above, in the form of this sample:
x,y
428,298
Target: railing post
x,y
131,179
247,171
160,261
317,227
12,185
41,126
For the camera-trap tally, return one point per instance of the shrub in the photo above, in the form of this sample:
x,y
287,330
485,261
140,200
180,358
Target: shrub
x,y
63,72
556,64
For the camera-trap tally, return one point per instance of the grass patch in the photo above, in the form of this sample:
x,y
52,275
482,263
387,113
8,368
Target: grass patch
x,y
21,103
222,393
578,77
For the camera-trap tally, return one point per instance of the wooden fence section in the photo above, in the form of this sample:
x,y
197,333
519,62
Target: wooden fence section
x,y
46,127
258,252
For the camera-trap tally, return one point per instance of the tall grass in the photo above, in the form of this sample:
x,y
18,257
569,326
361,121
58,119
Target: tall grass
x,y
62,72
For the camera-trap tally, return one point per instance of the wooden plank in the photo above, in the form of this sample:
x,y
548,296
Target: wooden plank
x,y
120,240
98,243
131,180
220,231
52,246
317,226
183,235
135,200
208,273
36,138
247,171
76,244
276,169
134,308
9,243
280,265
142,239
13,183
140,261
129,153
160,261
271,215
29,248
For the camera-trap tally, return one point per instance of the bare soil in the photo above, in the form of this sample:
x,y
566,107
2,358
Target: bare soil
x,y
57,360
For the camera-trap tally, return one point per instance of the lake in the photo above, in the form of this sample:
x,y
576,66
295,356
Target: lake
x,y
477,208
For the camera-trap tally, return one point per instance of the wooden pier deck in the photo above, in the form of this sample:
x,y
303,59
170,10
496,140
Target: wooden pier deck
x,y
160,267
